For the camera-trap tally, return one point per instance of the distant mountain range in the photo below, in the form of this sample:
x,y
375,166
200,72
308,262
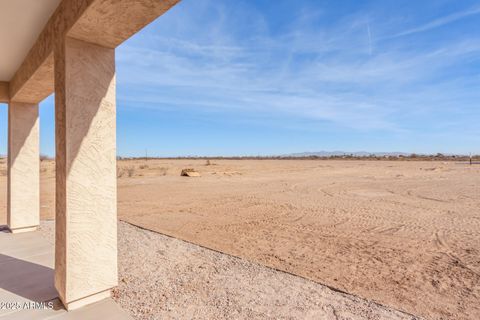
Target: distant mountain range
x,y
344,153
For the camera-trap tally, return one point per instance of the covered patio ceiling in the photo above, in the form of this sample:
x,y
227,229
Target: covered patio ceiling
x,y
21,21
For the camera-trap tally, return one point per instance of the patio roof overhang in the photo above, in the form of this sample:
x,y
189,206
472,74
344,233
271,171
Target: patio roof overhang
x,y
29,29
4,91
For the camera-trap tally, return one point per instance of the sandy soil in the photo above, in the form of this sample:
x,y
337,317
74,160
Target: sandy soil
x,y
165,278
404,234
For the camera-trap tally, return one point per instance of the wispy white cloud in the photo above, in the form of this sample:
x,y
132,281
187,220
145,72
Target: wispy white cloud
x,y
328,73
370,45
441,21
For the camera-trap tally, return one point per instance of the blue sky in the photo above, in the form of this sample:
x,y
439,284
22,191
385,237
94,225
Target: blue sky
x,y
259,77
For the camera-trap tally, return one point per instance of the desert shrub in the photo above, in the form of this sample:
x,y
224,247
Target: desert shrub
x,y
162,171
120,172
143,166
130,171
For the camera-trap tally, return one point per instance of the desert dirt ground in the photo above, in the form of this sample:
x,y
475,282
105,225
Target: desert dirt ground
x,y
404,234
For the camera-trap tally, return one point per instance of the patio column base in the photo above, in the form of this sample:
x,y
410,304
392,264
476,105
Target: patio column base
x,y
21,230
86,301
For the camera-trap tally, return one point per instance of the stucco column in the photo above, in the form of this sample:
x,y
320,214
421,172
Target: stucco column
x,y
23,202
86,213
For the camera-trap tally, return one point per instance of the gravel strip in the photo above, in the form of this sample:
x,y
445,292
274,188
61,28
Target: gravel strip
x,y
165,278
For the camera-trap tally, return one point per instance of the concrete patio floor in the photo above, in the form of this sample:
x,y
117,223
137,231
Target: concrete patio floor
x,y
26,278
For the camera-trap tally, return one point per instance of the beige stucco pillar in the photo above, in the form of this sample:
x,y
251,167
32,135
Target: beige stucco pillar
x,y
23,202
86,215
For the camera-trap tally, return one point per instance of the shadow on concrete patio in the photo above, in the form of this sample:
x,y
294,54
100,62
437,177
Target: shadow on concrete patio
x,y
25,279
